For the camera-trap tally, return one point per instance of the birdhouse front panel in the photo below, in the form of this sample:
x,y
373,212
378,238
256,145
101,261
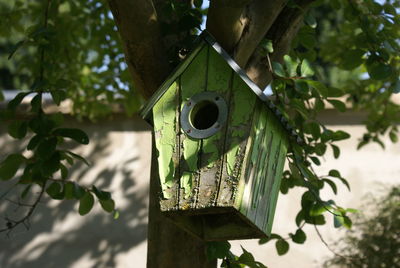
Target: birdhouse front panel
x,y
221,150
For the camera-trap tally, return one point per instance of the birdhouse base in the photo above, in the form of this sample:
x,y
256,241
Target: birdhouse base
x,y
216,224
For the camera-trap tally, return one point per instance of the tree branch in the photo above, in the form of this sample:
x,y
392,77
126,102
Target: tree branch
x,y
260,15
144,51
225,21
282,33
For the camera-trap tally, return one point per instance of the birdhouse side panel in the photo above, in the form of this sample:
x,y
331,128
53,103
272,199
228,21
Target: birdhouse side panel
x,y
241,110
219,80
192,81
263,168
243,197
276,184
268,172
165,118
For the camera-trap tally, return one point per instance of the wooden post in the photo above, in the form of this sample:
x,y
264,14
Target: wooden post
x,y
168,245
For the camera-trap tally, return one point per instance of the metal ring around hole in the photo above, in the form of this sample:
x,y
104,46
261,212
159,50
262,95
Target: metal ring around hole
x,y
188,106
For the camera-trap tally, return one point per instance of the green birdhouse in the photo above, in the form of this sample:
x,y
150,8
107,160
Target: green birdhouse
x,y
221,147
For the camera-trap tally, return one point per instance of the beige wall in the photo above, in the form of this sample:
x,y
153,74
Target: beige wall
x,y
120,155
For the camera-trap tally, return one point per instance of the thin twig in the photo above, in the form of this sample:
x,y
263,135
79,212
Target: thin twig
x,y
11,224
331,250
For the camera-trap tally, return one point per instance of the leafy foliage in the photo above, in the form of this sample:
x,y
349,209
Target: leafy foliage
x,y
374,240
346,56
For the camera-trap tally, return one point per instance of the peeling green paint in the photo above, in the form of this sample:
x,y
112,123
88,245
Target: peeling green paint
x,y
193,81
186,183
164,127
231,159
242,100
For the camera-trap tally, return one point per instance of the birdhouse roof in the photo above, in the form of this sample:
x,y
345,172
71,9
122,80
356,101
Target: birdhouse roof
x,y
205,39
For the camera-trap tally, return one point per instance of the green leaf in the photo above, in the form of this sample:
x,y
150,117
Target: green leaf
x,y
78,157
317,220
10,166
69,190
267,45
55,191
13,104
116,214
320,87
393,137
34,142
331,184
320,149
315,160
64,172
352,58
41,125
218,250
347,222
72,133
15,48
247,258
50,165
86,203
18,129
278,69
317,209
198,3
339,105
57,119
58,96
36,103
306,69
299,218
336,151
310,20
107,205
314,129
334,173
299,237
46,148
340,135
79,191
379,71
101,195
396,87
337,221
282,247
291,65
301,86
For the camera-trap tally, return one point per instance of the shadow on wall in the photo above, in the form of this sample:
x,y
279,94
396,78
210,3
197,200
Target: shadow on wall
x,y
119,153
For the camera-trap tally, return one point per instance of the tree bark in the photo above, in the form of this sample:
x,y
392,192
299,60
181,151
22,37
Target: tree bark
x,y
168,245
239,26
145,54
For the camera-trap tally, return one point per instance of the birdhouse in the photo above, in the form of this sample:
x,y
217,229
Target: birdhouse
x,y
221,147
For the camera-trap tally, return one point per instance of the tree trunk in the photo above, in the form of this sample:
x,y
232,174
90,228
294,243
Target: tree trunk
x,y
168,245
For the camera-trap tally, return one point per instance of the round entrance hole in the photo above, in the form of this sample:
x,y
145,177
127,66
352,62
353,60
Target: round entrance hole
x,y
204,115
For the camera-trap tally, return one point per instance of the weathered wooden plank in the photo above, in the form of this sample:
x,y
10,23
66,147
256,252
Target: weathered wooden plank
x,y
192,81
262,148
165,123
248,172
238,131
268,174
218,80
274,189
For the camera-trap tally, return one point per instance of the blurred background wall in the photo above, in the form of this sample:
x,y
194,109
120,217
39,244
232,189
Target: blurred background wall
x,y
119,153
